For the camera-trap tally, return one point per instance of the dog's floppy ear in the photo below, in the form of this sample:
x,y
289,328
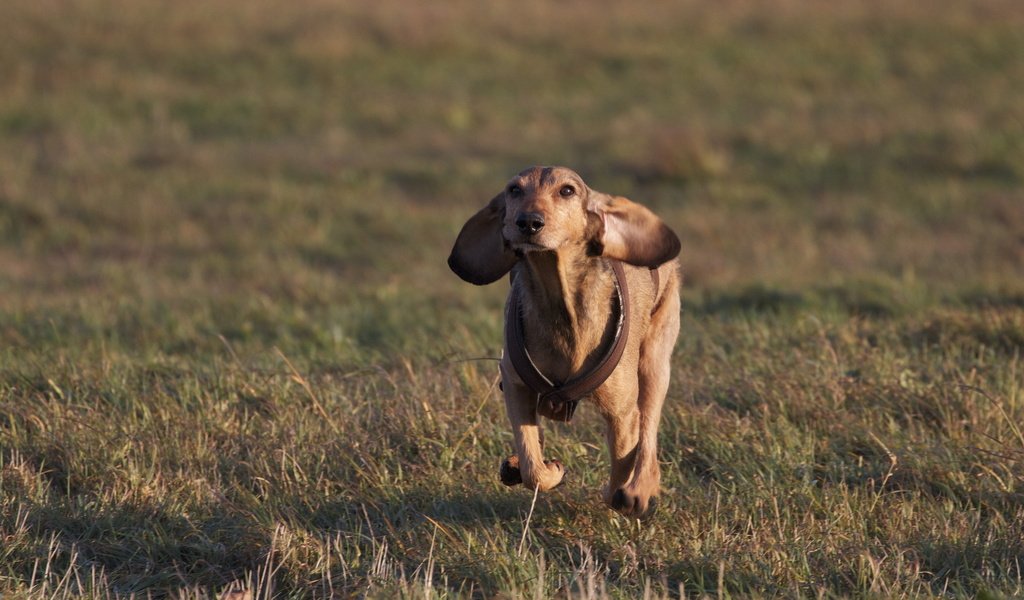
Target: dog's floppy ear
x,y
480,255
630,232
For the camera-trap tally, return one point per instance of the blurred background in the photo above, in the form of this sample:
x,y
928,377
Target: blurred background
x,y
297,170
228,335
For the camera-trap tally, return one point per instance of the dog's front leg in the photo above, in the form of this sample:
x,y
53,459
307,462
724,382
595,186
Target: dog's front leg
x,y
527,466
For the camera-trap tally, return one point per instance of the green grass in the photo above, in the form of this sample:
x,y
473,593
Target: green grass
x,y
231,351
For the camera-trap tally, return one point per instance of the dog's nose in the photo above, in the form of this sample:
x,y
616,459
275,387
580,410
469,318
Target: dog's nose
x,y
530,223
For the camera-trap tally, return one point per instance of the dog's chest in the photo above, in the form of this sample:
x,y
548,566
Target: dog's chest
x,y
561,351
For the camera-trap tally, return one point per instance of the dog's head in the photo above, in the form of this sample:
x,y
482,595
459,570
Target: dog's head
x,y
551,209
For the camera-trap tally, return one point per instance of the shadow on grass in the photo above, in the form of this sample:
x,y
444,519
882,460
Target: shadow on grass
x,y
862,299
138,548
475,535
416,507
953,567
753,299
993,299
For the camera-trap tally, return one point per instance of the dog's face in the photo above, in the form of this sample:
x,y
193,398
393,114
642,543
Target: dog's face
x,y
550,209
545,209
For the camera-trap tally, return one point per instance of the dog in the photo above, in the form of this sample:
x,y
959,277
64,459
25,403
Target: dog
x,y
592,312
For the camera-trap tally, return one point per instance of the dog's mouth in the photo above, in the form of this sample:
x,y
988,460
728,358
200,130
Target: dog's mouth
x,y
527,246
522,248
524,243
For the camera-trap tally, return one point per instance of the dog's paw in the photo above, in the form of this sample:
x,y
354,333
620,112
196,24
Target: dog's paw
x,y
630,503
553,466
509,472
550,477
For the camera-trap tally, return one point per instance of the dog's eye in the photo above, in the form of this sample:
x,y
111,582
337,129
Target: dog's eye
x,y
566,191
515,190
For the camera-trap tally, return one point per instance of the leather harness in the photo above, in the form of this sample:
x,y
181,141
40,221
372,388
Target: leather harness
x,y
562,398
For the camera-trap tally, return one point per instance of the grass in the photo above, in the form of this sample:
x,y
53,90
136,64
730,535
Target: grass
x,y
231,353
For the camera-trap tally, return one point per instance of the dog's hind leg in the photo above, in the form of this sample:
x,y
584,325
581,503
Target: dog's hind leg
x,y
644,480
622,432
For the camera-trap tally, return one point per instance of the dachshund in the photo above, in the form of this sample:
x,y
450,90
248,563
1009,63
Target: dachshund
x,y
592,313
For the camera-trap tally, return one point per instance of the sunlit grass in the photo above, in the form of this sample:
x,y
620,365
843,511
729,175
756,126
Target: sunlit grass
x,y
232,356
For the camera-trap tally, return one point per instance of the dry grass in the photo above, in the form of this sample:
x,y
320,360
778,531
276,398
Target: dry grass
x,y
232,358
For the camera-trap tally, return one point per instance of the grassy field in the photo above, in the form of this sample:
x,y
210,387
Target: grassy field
x,y
231,350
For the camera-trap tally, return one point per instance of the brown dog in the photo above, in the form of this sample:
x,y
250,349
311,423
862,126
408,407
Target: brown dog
x,y
572,308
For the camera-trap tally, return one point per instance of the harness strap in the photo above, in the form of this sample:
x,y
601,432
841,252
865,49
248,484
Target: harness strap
x,y
564,397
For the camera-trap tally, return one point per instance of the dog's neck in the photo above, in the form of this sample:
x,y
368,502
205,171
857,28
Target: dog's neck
x,y
567,300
